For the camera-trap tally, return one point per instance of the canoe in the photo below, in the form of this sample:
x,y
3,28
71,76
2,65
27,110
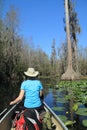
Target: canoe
x,y
55,119
6,117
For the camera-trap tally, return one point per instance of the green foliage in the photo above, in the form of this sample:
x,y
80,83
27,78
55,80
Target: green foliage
x,y
66,121
63,118
16,54
77,83
70,123
61,100
84,122
77,90
82,111
75,107
58,108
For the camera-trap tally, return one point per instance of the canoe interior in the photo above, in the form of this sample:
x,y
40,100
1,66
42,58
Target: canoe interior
x,y
5,121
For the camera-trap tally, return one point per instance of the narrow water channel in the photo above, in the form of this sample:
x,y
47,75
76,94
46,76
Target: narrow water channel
x,y
56,100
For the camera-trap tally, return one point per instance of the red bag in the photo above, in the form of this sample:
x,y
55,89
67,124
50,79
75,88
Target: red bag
x,y
19,122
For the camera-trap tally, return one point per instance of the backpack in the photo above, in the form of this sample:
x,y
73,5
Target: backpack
x,y
19,122
28,119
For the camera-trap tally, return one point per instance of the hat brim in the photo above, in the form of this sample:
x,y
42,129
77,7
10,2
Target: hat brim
x,y
32,75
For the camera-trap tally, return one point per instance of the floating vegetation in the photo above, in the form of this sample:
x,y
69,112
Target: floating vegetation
x,y
75,93
75,107
61,100
58,108
63,118
55,96
84,122
66,121
82,111
80,83
70,123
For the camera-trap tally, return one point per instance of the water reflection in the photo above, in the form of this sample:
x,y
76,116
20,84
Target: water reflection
x,y
54,99
7,93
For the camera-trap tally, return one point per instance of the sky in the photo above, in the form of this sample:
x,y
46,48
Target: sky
x,y
43,21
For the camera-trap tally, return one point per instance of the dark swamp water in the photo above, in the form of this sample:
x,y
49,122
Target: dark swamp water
x,y
55,99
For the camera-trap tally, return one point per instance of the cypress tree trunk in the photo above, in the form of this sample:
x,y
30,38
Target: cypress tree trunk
x,y
70,74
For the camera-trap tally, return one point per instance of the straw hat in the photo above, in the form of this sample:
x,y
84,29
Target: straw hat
x,y
31,72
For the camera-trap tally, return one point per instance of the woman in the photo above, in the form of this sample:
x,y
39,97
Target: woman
x,y
31,89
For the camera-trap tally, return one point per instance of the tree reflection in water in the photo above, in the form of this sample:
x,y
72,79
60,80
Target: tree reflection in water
x,y
7,93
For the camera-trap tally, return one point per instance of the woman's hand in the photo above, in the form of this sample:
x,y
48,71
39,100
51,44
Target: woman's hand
x,y
19,98
12,102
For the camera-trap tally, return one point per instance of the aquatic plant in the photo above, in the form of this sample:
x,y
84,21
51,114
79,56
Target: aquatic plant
x,y
84,122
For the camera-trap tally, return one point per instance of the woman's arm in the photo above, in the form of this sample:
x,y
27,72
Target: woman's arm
x,y
19,98
41,94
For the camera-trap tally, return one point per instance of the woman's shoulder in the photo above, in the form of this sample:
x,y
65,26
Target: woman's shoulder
x,y
31,81
25,81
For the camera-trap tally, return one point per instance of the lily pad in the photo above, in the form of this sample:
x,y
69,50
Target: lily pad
x,y
82,111
63,118
84,122
70,123
55,96
61,100
58,108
